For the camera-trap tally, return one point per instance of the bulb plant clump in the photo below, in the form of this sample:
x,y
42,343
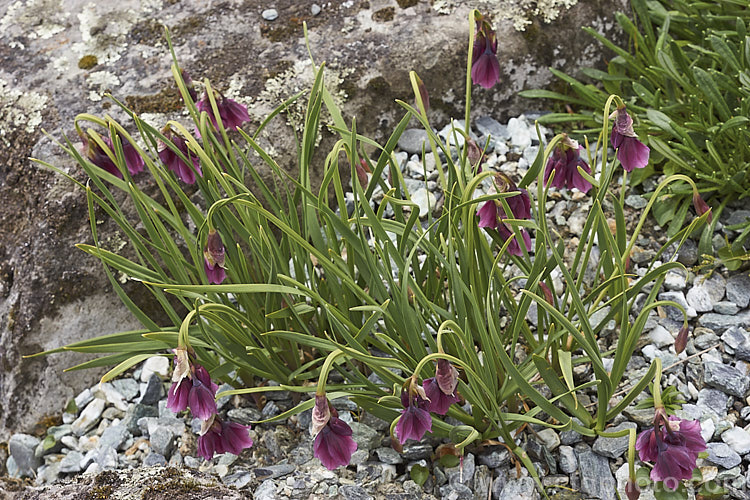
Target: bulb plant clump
x,y
424,325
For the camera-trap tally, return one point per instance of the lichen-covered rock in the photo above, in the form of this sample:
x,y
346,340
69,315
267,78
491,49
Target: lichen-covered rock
x,y
59,58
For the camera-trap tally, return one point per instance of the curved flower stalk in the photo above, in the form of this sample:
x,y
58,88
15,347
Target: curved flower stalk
x,y
565,161
492,213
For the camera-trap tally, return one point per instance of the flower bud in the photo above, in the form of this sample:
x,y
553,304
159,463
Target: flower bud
x,y
632,490
474,154
682,338
214,248
361,168
446,376
701,207
547,293
423,93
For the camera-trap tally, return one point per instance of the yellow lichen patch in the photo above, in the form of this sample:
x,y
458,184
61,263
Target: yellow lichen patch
x,y
88,61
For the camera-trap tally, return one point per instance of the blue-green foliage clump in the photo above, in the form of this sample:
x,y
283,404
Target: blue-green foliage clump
x,y
685,72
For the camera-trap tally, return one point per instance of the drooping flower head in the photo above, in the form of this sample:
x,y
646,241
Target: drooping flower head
x,y
673,446
174,162
492,213
189,85
333,444
446,376
474,154
415,418
213,258
191,387
96,154
681,341
631,152
231,113
362,169
217,437
564,161
485,68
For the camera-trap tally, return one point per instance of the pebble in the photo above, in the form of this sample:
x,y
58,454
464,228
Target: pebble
x,y
522,488
489,126
152,391
613,447
270,14
425,200
88,417
596,477
726,378
128,387
660,337
155,364
723,455
520,135
315,9
22,449
738,439
738,290
549,439
413,139
155,460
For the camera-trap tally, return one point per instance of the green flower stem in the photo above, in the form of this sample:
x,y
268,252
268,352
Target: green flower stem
x,y
423,113
656,391
325,370
631,446
472,26
654,197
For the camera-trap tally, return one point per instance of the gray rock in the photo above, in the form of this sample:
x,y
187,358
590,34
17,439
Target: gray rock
x,y
738,438
726,378
354,492
224,400
149,425
134,414
388,455
721,322
636,201
489,126
412,140
245,416
712,400
153,390
425,200
114,436
522,488
456,491
643,417
613,447
567,460
549,438
266,491
238,480
155,365
71,463
270,409
482,482
675,279
660,337
738,217
315,9
128,387
520,133
687,255
570,437
705,339
724,307
274,471
417,451
106,458
699,298
723,455
738,289
162,441
112,396
365,436
596,477
270,14
155,460
88,417
674,313
463,475
21,448
495,458
47,474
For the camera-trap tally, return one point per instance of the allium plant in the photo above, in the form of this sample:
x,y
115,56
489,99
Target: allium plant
x,y
415,317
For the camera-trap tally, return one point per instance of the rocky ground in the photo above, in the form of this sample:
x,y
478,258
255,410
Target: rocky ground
x,y
118,439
